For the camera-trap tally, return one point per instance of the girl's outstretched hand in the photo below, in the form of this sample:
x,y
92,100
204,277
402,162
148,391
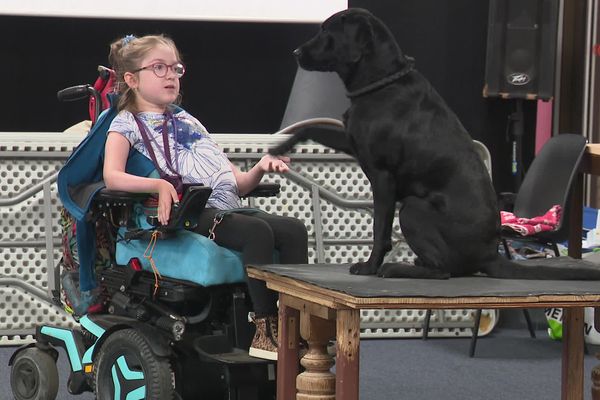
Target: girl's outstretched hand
x,y
166,196
247,181
271,163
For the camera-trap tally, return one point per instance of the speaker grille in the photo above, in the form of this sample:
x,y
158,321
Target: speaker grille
x,y
521,49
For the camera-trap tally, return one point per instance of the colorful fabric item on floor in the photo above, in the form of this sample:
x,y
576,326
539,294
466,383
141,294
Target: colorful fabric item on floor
x,y
531,226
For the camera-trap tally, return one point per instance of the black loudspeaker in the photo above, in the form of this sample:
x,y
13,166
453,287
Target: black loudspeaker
x,y
521,49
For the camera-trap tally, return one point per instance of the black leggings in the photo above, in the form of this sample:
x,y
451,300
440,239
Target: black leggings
x,y
256,236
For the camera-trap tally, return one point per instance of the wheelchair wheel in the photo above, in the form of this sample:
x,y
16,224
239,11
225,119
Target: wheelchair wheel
x,y
34,375
127,368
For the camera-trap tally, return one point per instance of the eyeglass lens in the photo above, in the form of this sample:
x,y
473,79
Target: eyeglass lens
x,y
160,69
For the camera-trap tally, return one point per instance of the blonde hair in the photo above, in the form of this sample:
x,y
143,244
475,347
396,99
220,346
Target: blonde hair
x,y
125,56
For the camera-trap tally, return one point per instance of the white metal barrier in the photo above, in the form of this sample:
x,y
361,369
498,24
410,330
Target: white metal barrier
x,y
326,190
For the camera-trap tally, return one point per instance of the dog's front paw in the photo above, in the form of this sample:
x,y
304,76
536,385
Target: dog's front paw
x,y
362,268
279,149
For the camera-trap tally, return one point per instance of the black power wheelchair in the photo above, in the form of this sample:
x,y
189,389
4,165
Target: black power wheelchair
x,y
156,337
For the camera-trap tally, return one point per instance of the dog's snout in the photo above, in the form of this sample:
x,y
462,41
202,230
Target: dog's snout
x,y
297,53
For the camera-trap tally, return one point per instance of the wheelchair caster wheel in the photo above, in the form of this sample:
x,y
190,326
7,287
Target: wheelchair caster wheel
x,y
127,368
34,375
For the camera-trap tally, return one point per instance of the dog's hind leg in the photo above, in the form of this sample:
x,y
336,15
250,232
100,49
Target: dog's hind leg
x,y
330,136
405,270
420,223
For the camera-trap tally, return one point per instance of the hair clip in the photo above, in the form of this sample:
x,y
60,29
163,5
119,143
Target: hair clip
x,y
127,39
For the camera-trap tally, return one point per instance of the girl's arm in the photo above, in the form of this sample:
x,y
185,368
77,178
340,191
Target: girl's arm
x,y
247,181
116,152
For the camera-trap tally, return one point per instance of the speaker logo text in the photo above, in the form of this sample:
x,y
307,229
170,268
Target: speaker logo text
x,y
518,79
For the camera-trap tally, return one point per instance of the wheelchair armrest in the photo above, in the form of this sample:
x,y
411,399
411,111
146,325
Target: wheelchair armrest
x,y
185,214
264,190
120,196
506,201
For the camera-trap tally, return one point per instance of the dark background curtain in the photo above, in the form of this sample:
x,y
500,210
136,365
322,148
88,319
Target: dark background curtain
x,y
448,39
239,74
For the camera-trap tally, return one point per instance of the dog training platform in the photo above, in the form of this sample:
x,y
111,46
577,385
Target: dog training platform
x,y
323,301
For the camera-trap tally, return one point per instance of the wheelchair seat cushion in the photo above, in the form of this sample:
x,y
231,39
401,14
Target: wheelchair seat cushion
x,y
186,255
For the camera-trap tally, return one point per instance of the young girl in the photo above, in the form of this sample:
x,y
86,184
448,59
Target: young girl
x,y
148,70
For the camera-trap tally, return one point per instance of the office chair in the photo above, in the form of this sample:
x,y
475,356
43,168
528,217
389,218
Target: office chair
x,y
548,182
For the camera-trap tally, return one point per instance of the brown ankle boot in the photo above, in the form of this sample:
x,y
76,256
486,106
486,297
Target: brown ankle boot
x,y
265,342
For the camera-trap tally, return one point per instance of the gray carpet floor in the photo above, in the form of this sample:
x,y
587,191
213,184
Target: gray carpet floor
x,y
508,365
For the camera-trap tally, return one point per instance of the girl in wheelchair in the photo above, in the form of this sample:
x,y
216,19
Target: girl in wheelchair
x,y
148,71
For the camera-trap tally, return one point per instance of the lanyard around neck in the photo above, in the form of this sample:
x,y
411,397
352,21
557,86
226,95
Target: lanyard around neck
x,y
165,136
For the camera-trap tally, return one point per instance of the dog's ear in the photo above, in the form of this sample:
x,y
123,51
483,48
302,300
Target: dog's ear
x,y
361,32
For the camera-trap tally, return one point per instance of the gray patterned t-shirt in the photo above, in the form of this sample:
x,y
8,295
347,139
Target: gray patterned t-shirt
x,y
196,156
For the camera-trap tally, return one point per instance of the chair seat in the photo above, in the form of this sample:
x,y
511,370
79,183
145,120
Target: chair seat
x,y
186,256
540,237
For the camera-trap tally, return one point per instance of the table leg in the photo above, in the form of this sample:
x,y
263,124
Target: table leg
x,y
572,354
347,357
317,382
287,353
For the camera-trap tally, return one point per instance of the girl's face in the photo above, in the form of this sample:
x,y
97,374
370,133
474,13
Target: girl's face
x,y
155,93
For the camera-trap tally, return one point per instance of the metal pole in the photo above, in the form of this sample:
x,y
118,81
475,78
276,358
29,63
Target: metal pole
x,y
317,223
53,272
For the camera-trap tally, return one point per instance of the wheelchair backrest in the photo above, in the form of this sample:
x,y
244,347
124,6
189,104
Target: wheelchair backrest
x,y
105,85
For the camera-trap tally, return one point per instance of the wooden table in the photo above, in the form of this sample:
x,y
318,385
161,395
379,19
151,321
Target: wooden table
x,y
311,308
319,313
590,165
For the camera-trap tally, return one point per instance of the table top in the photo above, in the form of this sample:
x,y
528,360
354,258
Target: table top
x,y
593,148
333,286
591,161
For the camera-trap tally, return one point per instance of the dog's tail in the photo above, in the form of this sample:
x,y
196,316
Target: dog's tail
x,y
558,268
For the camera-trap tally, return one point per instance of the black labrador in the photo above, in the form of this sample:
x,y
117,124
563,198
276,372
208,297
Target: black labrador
x,y
413,149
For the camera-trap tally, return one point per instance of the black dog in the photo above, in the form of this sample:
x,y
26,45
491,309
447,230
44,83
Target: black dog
x,y
413,149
